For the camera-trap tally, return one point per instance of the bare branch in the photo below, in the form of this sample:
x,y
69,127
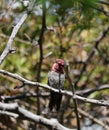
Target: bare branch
x,y
103,11
74,100
6,106
93,101
11,39
13,107
8,114
23,95
40,41
68,93
46,94
8,48
28,42
91,90
93,118
97,42
103,2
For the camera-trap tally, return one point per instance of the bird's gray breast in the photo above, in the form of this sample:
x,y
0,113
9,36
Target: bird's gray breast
x,y
56,80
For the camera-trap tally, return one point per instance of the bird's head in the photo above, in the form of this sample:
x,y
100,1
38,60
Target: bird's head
x,y
58,66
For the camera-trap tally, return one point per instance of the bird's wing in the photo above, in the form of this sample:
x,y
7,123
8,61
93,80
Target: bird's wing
x,y
53,80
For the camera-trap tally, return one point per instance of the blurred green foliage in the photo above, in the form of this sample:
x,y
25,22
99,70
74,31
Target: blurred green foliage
x,y
72,27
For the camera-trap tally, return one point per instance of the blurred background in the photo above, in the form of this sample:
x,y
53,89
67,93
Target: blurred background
x,y
71,30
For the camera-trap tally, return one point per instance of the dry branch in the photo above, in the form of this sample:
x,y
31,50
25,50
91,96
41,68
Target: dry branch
x,y
8,48
93,118
13,107
46,94
91,54
8,114
91,90
74,100
68,93
24,95
103,2
3,36
40,42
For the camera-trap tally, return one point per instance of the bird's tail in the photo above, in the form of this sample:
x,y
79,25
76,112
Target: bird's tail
x,y
58,101
55,100
52,100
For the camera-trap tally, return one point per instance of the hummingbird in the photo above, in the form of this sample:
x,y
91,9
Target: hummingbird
x,y
56,79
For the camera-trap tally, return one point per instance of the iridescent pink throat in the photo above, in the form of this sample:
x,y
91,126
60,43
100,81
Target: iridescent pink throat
x,y
57,68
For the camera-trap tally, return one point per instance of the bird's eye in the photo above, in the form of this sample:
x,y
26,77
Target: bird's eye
x,y
61,65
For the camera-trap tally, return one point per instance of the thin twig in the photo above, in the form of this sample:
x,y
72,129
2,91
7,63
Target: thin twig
x,y
65,105
97,42
40,41
74,100
24,95
102,11
3,36
91,90
93,118
103,2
